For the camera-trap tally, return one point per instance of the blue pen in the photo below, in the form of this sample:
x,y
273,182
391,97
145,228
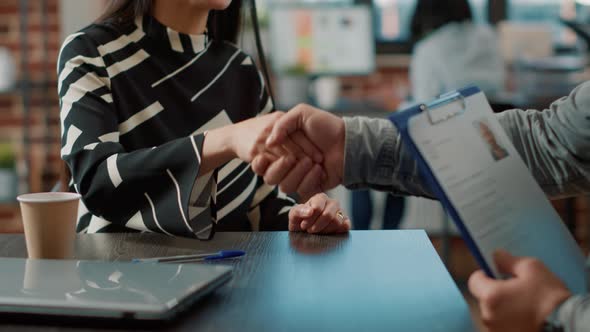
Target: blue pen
x,y
223,254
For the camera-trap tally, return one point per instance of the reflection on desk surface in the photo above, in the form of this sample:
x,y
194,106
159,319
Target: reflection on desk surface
x,y
100,286
362,281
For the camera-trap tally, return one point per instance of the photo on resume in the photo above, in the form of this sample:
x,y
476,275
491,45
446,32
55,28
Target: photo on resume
x,y
488,136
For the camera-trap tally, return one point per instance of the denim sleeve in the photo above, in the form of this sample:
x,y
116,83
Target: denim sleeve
x,y
554,144
375,158
574,314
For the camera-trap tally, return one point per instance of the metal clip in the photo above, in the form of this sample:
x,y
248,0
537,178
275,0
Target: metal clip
x,y
444,99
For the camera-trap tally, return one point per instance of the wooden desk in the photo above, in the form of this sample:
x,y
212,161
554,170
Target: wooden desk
x,y
362,281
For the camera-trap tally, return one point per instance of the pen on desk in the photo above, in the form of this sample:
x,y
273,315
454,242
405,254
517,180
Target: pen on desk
x,y
223,254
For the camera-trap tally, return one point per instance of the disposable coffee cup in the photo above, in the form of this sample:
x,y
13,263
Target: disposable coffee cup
x,y
49,220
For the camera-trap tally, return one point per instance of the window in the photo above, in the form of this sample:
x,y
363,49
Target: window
x,y
536,10
392,19
392,22
545,12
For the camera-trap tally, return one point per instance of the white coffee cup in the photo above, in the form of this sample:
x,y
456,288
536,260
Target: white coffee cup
x,y
49,220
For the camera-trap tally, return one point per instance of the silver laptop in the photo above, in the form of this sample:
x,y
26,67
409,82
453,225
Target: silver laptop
x,y
139,291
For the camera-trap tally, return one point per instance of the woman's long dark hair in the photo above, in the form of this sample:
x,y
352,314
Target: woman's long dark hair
x,y
221,24
430,15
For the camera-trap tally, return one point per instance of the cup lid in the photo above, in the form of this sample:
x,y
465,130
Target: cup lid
x,y
48,197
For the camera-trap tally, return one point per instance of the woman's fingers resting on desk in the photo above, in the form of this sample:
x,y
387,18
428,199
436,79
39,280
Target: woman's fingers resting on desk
x,y
320,214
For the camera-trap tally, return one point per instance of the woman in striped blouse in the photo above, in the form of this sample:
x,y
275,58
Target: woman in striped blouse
x,y
157,105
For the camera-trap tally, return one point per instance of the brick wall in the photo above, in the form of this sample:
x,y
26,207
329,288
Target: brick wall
x,y
39,74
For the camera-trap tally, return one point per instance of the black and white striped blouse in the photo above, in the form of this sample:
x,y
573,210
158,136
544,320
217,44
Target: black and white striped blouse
x,y
135,102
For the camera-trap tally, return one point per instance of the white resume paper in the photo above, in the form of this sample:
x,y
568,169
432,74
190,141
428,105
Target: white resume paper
x,y
493,192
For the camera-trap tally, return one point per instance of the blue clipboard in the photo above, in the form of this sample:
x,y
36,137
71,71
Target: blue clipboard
x,y
401,119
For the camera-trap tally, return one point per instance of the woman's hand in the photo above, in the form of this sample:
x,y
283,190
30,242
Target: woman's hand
x,y
245,140
301,124
320,214
248,140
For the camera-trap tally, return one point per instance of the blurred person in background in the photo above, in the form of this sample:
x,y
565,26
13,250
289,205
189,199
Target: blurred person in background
x,y
450,52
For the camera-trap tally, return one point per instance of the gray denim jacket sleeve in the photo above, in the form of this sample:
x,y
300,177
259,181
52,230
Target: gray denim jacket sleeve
x,y
375,158
574,314
554,144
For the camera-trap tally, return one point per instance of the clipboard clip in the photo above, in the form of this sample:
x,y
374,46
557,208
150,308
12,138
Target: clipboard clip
x,y
444,99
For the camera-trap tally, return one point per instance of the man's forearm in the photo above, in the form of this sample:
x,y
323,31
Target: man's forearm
x,y
374,157
553,144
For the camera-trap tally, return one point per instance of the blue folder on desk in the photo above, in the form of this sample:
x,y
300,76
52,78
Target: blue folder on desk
x,y
471,167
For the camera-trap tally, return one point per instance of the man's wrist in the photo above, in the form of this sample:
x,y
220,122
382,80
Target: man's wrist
x,y
340,149
370,152
551,322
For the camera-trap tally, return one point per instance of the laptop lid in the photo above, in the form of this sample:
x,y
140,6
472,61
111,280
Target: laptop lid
x,y
143,291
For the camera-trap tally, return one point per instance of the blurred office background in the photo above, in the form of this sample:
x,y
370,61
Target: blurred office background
x,y
355,64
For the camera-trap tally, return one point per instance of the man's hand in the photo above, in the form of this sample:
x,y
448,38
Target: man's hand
x,y
299,126
247,139
520,303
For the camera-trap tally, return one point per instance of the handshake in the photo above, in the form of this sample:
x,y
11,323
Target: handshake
x,y
301,151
